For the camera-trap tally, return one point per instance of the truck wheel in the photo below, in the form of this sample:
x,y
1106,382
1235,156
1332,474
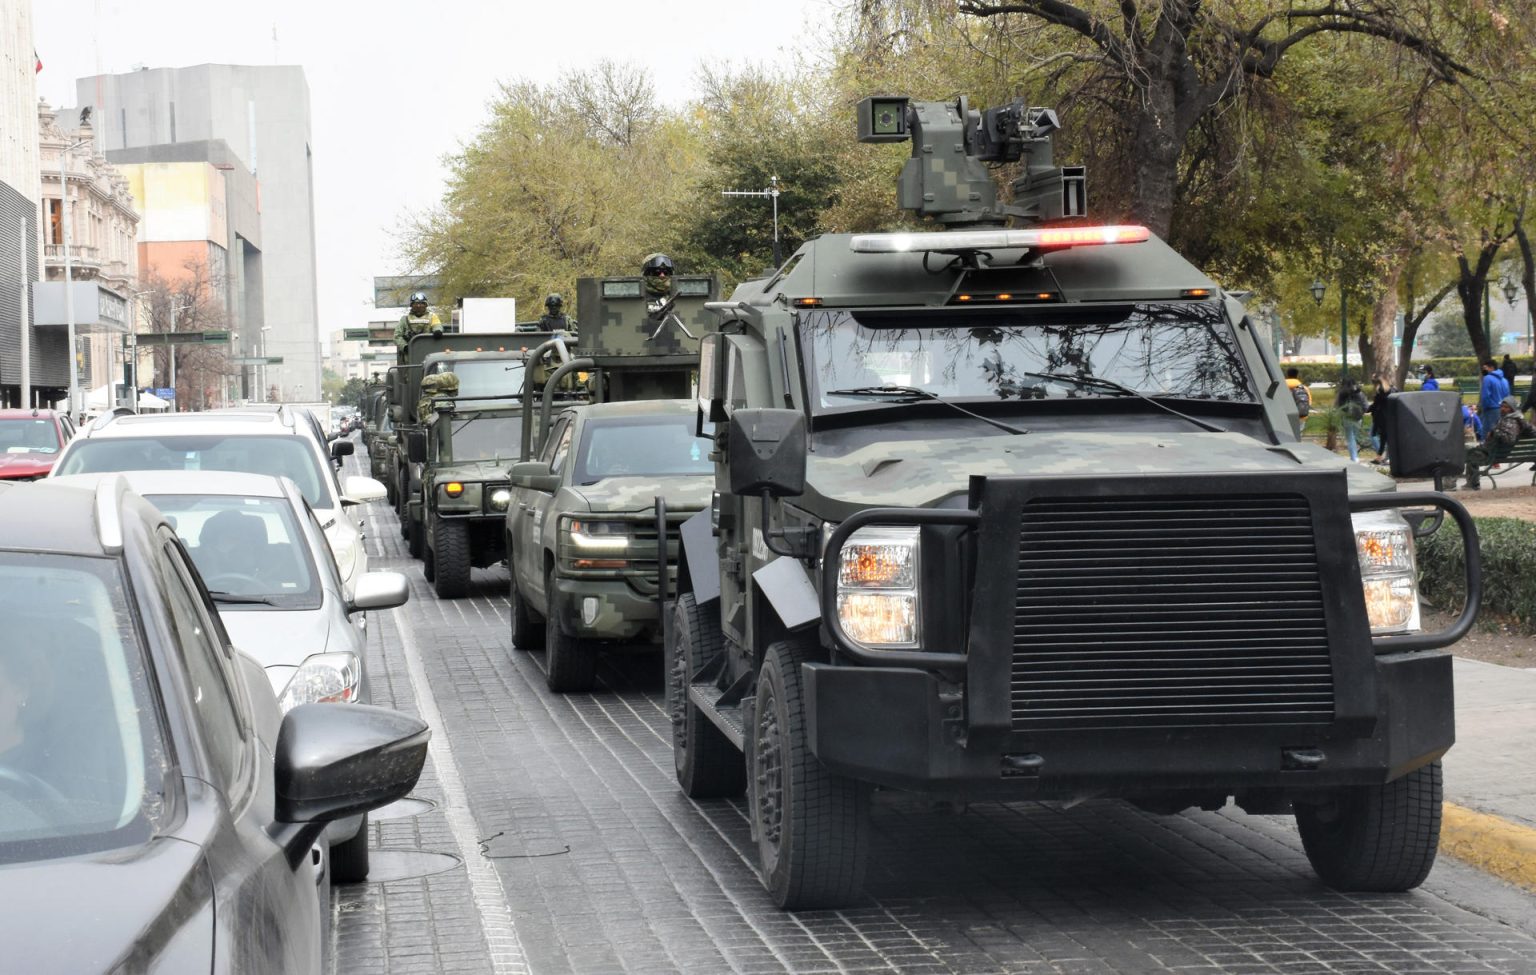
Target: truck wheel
x,y
349,860
571,663
450,559
812,827
527,629
415,536
708,765
1378,837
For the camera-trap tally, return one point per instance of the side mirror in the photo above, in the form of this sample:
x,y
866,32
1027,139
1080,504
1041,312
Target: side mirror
x,y
342,448
380,590
712,358
361,490
1425,431
534,474
416,446
337,760
765,450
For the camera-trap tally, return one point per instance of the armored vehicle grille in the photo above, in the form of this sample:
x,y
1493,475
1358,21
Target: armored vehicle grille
x,y
1169,611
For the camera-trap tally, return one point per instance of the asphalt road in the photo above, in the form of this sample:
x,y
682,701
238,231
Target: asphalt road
x,y
568,848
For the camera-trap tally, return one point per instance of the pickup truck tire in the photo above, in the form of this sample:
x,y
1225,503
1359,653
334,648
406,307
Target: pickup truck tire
x,y
570,664
450,559
1378,837
811,826
527,629
349,860
708,766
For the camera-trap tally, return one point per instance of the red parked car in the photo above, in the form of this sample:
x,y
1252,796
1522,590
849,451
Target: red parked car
x,y
29,442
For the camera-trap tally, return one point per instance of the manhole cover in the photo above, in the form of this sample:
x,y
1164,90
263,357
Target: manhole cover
x,y
387,865
403,809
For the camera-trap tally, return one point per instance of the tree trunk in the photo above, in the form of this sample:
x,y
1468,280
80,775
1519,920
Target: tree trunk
x,y
1384,322
1527,279
1471,287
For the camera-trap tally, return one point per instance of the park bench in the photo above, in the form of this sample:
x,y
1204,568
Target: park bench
x,y
1523,451
1474,387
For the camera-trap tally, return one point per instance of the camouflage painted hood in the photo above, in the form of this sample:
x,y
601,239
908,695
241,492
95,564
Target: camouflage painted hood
x,y
922,473
688,492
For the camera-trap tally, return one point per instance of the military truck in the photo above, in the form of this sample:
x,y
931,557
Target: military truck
x,y
582,530
1023,512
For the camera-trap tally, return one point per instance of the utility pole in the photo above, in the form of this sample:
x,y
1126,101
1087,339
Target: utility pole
x,y
772,193
26,325
69,278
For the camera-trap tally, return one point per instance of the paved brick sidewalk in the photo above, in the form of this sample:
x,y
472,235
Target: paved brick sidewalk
x,y
607,867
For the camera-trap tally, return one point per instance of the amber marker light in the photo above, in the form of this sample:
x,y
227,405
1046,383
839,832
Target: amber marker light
x,y
962,297
453,489
806,302
1005,297
1195,293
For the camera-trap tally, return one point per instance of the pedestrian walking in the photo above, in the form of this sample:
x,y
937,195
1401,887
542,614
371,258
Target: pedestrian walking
x,y
1378,413
1491,392
1299,392
1350,402
1507,367
1431,384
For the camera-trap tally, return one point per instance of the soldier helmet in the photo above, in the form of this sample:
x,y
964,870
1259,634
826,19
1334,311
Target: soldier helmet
x,y
554,302
656,264
418,297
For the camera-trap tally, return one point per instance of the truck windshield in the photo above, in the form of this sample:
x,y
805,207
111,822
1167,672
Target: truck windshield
x,y
1174,349
489,377
654,446
487,437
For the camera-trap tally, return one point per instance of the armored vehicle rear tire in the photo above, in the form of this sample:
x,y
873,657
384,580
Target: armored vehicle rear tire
x,y
527,629
811,826
450,559
349,860
415,536
571,664
1376,838
708,765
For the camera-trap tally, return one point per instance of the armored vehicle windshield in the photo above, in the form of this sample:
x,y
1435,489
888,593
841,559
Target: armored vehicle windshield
x,y
485,377
660,446
486,437
1180,350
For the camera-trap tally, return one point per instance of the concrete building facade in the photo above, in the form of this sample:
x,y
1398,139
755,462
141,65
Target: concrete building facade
x,y
260,116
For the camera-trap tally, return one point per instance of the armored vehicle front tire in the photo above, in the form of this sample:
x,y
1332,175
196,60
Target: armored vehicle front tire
x,y
570,663
1375,838
349,860
811,826
527,629
450,559
708,765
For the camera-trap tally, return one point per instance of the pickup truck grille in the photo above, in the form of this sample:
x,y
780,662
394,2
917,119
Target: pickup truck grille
x,y
1169,611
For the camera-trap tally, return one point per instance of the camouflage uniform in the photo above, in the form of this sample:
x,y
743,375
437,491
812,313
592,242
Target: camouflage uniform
x,y
433,386
413,325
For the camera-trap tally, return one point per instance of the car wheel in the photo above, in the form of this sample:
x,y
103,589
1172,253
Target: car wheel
x,y
450,559
570,663
1375,837
349,860
527,629
708,766
812,827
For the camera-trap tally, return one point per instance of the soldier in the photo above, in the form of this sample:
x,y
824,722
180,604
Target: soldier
x,y
555,319
416,321
658,271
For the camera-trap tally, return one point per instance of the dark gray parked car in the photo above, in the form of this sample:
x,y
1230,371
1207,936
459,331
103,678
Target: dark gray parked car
x,y
158,812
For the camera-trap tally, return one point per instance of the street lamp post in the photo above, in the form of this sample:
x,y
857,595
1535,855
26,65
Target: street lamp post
x,y
261,368
69,290
1511,291
133,375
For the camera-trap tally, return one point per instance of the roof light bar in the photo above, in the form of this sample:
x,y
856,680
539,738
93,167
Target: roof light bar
x,y
969,240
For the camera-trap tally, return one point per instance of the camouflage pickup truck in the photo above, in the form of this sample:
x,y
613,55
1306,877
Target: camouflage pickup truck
x,y
1023,512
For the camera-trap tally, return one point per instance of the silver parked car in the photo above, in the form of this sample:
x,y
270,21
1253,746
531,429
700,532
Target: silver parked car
x,y
264,558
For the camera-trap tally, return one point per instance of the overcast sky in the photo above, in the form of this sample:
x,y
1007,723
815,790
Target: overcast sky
x,y
394,86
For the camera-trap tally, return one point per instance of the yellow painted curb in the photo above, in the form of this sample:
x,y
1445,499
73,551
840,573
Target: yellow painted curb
x,y
1500,847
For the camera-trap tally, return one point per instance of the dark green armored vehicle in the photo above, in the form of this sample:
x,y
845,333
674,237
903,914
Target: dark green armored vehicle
x,y
1022,512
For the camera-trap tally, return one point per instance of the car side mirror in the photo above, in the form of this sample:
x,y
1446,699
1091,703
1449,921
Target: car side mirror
x,y
416,446
379,590
712,378
1425,431
765,450
361,490
333,761
342,448
534,474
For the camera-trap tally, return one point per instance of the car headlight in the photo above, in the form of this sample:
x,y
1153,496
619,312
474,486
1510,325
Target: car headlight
x,y
500,498
1384,546
323,678
877,578
596,544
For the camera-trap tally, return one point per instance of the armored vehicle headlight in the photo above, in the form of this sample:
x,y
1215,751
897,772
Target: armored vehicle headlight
x,y
501,498
458,496
323,678
877,599
1384,546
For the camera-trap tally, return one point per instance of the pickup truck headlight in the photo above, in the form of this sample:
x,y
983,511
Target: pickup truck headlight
x,y
597,544
1384,545
877,575
323,678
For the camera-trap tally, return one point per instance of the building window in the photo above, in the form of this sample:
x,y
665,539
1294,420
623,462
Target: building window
x,y
55,221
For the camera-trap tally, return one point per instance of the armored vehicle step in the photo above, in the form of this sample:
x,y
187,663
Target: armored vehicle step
x,y
728,719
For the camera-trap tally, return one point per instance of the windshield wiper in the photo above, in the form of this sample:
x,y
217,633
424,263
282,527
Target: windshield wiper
x,y
1099,383
234,598
912,394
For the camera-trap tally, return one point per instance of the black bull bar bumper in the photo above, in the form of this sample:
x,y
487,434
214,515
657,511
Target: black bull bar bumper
x,y
1163,708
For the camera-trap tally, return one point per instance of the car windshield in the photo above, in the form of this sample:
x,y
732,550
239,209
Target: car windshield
x,y
249,551
654,446
1174,349
81,753
287,456
489,377
29,435
487,437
